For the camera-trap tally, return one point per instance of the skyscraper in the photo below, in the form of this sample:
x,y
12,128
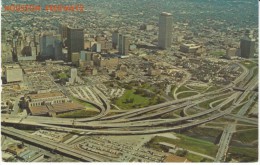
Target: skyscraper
x,y
165,30
123,45
247,45
58,50
63,28
50,46
115,39
47,45
75,39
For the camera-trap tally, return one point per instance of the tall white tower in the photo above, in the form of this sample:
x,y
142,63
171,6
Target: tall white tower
x,y
165,30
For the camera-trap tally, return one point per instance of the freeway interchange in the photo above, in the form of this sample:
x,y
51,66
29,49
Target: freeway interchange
x,y
145,120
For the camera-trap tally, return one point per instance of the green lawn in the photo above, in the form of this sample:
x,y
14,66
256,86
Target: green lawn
x,y
188,143
248,64
209,132
237,109
78,114
196,158
113,113
244,154
186,94
227,105
173,87
63,75
246,136
213,88
169,115
241,127
205,104
172,90
87,105
218,53
193,158
198,88
192,111
131,100
217,103
182,88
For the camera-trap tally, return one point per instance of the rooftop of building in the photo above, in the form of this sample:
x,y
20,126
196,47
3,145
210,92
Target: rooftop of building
x,y
57,108
45,95
12,66
166,13
191,45
74,28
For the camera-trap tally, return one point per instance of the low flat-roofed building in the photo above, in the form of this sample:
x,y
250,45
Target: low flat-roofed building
x,y
7,156
75,58
108,62
13,73
119,74
190,48
54,109
14,149
39,110
45,98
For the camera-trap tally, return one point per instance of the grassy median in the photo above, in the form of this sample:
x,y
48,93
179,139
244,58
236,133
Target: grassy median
x,y
247,136
185,142
243,154
78,114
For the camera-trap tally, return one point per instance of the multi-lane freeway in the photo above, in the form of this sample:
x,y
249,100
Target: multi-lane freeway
x,y
146,120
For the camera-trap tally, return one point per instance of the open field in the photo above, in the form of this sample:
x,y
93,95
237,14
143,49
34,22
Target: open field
x,y
186,94
243,154
185,142
248,64
78,114
246,136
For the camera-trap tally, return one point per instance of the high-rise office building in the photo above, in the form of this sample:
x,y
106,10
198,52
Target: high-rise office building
x,y
63,30
123,45
47,45
75,39
247,45
165,30
58,50
115,39
50,46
